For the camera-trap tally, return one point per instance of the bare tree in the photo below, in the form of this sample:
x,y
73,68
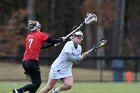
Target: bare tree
x,y
31,9
117,34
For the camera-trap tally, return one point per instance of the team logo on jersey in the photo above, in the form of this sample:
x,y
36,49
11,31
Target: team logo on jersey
x,y
75,54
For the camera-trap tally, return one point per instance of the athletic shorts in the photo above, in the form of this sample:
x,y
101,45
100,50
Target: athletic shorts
x,y
31,66
59,74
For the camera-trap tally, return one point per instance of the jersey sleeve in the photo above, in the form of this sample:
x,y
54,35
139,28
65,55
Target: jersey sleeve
x,y
43,37
68,47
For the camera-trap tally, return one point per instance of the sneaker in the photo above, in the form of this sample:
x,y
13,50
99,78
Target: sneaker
x,y
53,90
15,91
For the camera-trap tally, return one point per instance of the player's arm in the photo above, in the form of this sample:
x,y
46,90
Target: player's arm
x,y
55,41
46,45
50,42
73,59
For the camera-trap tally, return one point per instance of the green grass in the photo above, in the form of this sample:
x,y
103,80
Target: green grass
x,y
6,87
15,72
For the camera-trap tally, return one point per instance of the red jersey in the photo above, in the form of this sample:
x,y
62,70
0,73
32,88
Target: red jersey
x,y
34,42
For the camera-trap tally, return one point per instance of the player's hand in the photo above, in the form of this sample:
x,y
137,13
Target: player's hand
x,y
80,57
57,44
64,38
84,54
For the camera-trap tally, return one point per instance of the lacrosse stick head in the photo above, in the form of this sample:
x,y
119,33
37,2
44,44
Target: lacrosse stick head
x,y
103,42
100,44
90,17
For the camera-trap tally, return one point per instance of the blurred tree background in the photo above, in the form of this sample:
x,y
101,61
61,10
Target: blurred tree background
x,y
118,21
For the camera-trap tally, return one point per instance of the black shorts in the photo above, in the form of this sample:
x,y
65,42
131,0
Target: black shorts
x,y
31,66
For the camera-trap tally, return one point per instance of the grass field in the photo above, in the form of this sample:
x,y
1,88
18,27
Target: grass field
x,y
6,87
15,71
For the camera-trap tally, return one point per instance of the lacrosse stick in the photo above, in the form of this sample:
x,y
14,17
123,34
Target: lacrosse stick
x,y
90,18
99,45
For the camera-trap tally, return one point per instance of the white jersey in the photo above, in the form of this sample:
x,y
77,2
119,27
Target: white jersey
x,y
61,62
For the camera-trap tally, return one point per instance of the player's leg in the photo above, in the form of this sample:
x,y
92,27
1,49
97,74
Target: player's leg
x,y
50,84
32,88
32,69
15,91
36,82
67,84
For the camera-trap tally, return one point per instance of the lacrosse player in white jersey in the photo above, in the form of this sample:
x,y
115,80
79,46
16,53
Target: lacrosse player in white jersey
x,y
61,69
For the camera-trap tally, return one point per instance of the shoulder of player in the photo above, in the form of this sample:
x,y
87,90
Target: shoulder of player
x,y
79,46
69,43
41,34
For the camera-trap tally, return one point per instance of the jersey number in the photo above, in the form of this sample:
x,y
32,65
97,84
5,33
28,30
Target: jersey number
x,y
30,41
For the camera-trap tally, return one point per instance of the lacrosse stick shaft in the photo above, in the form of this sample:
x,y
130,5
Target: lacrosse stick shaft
x,y
75,30
89,51
72,32
96,47
93,48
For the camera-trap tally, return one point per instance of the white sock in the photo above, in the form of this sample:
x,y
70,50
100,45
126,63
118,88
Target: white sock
x,y
57,89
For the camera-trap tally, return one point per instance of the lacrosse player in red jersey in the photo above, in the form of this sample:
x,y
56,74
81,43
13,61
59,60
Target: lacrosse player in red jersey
x,y
30,62
62,66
